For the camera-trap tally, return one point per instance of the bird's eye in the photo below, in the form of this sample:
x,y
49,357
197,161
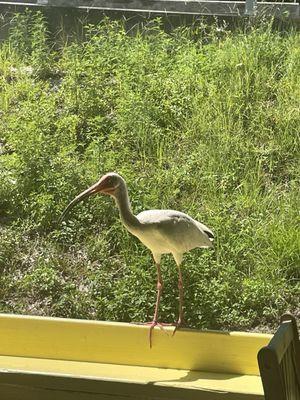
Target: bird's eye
x,y
111,181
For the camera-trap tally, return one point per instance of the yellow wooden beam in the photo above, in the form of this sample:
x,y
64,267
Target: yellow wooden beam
x,y
145,378
128,344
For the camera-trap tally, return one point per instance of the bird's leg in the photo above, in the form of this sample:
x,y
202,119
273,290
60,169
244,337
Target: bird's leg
x,y
180,287
159,291
155,322
158,296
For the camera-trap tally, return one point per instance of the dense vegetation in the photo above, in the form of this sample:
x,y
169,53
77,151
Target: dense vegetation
x,y
201,119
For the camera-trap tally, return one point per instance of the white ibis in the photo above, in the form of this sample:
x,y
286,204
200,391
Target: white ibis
x,y
162,231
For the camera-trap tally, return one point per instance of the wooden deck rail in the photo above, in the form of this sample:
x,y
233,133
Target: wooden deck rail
x,y
62,359
279,362
67,359
178,7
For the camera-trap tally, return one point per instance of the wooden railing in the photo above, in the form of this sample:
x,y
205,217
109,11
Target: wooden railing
x,y
277,8
279,362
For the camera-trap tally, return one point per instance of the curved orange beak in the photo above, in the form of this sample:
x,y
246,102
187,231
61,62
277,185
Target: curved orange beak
x,y
99,187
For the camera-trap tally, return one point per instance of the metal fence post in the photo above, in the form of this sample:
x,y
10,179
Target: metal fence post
x,y
250,7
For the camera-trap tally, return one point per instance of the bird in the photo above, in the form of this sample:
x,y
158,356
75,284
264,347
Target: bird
x,y
161,231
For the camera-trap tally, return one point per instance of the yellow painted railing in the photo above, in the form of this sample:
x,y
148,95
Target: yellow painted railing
x,y
121,343
120,352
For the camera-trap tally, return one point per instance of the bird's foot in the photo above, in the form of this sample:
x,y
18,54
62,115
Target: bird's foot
x,y
152,325
177,325
161,325
156,323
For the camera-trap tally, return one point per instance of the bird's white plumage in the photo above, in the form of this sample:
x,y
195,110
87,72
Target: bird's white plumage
x,y
162,231
169,231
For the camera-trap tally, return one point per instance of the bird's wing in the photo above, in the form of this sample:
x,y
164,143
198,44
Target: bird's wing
x,y
206,230
181,232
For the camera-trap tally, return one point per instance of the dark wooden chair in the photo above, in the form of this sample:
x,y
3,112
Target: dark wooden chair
x,y
279,362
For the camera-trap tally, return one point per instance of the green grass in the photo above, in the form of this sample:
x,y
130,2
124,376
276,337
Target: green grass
x,y
201,119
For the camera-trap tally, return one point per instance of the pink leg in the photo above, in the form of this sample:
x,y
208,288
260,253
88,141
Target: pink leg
x,y
180,287
158,296
155,316
159,291
155,322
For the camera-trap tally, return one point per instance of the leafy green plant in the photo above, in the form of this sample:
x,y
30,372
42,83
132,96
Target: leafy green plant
x,y
202,119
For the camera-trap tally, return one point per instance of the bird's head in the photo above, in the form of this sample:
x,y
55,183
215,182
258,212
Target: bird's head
x,y
108,184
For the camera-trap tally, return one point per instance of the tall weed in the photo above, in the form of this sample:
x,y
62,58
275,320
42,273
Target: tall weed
x,y
201,119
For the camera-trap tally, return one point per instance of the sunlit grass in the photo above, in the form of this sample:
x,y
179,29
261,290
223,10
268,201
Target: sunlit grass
x,y
201,119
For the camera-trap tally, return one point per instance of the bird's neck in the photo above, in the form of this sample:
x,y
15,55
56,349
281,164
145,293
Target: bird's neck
x,y
127,217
